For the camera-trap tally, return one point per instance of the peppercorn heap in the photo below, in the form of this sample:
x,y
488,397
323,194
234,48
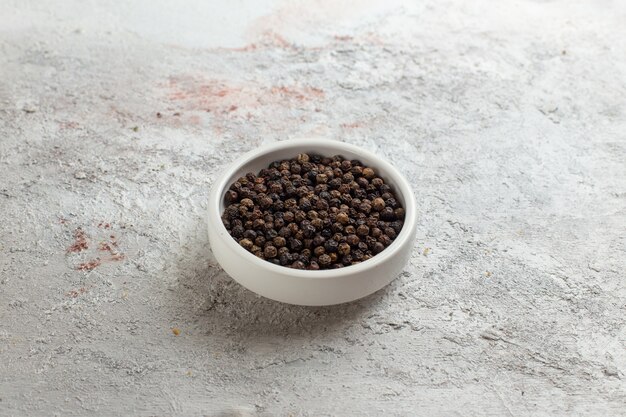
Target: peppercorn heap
x,y
313,212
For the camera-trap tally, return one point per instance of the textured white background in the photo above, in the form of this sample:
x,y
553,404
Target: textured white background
x,y
509,117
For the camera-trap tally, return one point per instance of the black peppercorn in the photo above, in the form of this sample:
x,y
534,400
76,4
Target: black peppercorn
x,y
324,260
343,218
362,230
247,203
368,173
246,244
249,234
295,244
270,252
319,251
317,223
279,241
237,231
397,225
353,240
391,202
260,241
331,245
390,232
387,214
343,249
378,204
298,265
308,231
231,197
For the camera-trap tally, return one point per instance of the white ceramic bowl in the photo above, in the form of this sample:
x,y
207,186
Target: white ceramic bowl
x,y
304,287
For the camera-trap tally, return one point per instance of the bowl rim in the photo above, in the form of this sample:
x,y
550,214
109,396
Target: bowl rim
x,y
396,179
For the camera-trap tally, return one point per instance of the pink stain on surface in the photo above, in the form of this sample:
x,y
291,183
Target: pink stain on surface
x,y
90,265
353,125
77,292
80,241
68,125
108,244
217,96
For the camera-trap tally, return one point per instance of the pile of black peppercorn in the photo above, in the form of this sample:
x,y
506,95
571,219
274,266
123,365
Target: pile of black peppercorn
x,y
313,212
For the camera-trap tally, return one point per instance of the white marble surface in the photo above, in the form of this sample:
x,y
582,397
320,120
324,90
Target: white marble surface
x,y
508,117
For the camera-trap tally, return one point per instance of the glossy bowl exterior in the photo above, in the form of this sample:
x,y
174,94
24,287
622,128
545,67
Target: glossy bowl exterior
x,y
304,287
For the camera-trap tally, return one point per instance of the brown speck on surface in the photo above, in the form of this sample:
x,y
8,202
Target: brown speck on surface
x,y
117,257
343,38
135,128
76,293
89,266
159,115
488,273
111,247
176,113
80,241
426,251
104,246
176,331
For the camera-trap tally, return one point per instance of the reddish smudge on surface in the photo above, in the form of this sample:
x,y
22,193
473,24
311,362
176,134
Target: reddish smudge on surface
x,y
266,39
247,48
80,241
63,220
90,265
302,94
105,246
66,125
352,125
220,97
272,38
76,293
111,247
